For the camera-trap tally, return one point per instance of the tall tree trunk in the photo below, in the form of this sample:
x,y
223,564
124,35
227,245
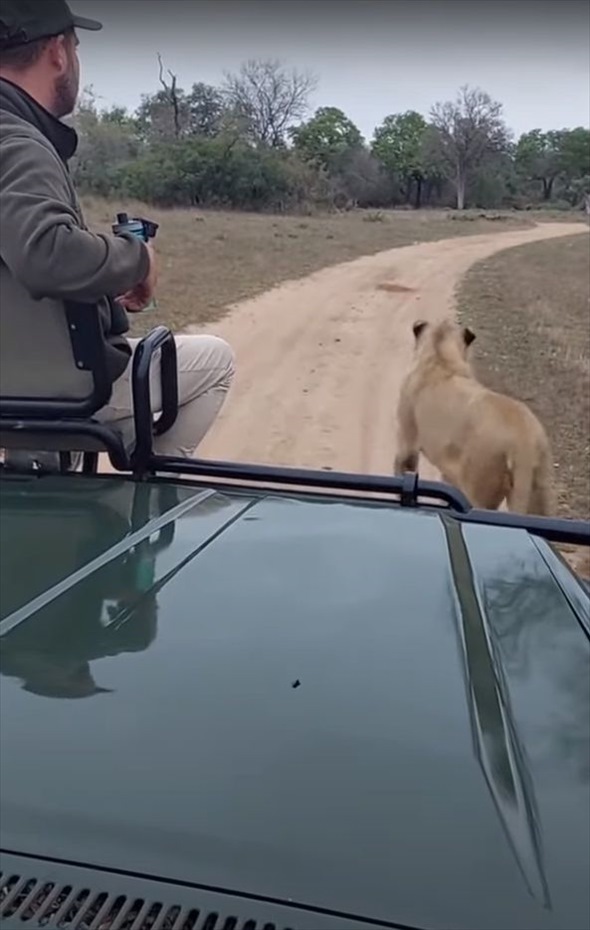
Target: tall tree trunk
x,y
418,200
461,184
547,188
460,189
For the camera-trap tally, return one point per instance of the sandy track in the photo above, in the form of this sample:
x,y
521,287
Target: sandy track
x,y
321,359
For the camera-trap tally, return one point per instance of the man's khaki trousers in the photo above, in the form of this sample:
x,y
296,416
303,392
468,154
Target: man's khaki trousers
x,y
205,373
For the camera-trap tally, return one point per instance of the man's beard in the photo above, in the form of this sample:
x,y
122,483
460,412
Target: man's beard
x,y
65,94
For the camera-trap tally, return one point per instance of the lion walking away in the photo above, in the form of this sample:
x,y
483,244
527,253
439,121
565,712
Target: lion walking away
x,y
490,446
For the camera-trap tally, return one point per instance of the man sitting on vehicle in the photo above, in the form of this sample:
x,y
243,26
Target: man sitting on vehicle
x,y
45,244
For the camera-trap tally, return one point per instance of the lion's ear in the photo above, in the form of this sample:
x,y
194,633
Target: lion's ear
x,y
468,336
418,328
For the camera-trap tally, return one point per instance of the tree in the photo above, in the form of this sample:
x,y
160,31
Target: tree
x,y
360,180
117,116
159,121
206,110
108,142
326,137
268,98
549,156
494,183
574,153
331,142
174,98
469,127
399,145
172,114
537,158
210,172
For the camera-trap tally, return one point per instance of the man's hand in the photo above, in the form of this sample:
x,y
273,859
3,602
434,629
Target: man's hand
x,y
140,296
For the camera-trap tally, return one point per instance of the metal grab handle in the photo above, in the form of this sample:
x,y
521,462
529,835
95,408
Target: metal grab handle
x,y
158,338
409,488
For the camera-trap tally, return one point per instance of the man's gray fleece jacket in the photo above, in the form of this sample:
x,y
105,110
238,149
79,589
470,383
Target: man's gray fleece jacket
x,y
46,251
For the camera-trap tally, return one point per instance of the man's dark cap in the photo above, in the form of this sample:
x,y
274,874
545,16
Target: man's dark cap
x,y
24,21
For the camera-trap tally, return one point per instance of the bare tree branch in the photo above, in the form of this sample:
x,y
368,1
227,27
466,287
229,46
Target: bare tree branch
x,y
172,93
268,98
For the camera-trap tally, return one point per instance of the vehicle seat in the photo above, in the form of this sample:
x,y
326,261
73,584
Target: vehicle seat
x,y
54,378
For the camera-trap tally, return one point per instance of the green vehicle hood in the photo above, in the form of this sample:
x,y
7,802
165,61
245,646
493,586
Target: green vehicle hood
x,y
340,704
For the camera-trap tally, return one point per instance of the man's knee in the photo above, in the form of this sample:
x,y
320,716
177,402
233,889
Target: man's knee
x,y
205,353
225,356
205,363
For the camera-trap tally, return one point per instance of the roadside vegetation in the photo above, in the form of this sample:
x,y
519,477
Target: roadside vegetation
x,y
253,144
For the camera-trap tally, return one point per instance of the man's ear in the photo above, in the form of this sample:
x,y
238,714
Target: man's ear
x,y
468,336
56,49
418,328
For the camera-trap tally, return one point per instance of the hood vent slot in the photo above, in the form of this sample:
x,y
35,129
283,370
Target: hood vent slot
x,y
48,904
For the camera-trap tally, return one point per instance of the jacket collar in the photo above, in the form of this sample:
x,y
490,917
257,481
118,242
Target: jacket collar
x,y
15,100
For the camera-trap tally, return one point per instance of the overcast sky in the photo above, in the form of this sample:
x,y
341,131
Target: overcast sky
x,y
372,57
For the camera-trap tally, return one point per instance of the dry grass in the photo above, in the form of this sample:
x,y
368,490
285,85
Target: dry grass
x,y
212,259
530,307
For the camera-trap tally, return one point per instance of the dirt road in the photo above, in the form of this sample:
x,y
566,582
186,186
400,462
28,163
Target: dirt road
x,y
320,360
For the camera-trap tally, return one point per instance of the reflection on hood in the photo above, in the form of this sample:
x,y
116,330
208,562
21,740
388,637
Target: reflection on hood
x,y
111,611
